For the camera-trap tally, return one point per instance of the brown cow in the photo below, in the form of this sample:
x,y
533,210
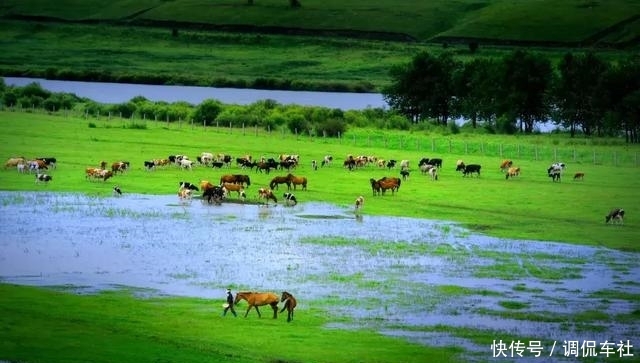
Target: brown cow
x,y
359,202
13,162
512,171
231,187
264,193
505,164
205,184
578,176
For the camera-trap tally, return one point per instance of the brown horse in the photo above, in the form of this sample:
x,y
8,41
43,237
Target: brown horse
x,y
289,304
296,180
280,180
255,299
241,179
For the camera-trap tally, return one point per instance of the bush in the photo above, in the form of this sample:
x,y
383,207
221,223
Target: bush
x,y
207,111
333,127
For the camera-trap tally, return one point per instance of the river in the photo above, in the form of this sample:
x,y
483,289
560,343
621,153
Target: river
x,y
122,92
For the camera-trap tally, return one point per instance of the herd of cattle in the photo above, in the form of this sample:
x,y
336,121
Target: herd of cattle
x,y
230,183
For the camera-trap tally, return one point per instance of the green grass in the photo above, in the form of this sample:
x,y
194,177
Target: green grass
x,y
543,20
40,325
528,207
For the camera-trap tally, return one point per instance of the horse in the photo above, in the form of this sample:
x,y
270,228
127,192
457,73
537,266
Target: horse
x,y
375,186
235,179
289,304
255,299
297,180
280,180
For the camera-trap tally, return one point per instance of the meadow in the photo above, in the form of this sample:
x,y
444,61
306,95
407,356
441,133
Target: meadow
x,y
67,324
527,207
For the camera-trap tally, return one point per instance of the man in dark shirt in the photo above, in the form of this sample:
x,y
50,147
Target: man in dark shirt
x,y
229,304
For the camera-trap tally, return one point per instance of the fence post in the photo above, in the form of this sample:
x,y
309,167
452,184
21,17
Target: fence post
x,y
466,147
501,150
536,153
518,149
433,145
369,140
555,154
230,130
256,129
615,159
354,139
574,154
449,146
339,139
204,124
594,156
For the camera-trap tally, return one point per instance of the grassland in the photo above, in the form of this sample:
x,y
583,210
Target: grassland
x,y
569,21
528,207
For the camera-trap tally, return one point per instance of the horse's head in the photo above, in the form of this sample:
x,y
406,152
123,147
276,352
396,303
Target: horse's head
x,y
285,296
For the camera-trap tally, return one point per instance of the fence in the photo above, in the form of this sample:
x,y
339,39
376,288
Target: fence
x,y
435,146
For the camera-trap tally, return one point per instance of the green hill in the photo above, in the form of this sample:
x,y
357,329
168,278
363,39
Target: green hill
x,y
551,22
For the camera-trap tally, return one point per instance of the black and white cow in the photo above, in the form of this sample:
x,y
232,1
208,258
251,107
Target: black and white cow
x,y
326,161
554,172
289,198
187,185
149,165
117,191
615,216
46,178
50,161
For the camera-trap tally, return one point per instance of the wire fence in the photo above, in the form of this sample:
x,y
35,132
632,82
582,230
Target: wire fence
x,y
610,155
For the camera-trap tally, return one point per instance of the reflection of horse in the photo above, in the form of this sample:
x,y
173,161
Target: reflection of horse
x,y
280,180
255,299
289,304
298,180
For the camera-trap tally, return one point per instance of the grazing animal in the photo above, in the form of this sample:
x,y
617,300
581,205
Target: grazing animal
x,y
149,165
231,187
212,195
280,180
11,162
297,180
615,216
50,161
255,299
359,202
404,174
459,165
554,172
425,168
119,166
37,165
470,169
236,178
326,161
289,198
289,304
185,195
117,191
391,164
314,165
505,164
187,185
511,172
559,165
375,186
404,164
46,178
433,172
578,176
389,183
267,194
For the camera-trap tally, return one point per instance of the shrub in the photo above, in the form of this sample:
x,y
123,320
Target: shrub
x,y
333,127
207,111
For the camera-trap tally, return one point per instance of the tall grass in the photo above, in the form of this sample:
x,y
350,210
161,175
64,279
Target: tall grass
x,y
528,207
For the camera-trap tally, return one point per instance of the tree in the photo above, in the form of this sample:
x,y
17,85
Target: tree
x,y
577,91
424,88
207,111
525,86
476,86
621,93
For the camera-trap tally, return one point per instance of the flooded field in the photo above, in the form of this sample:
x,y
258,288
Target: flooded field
x,y
426,281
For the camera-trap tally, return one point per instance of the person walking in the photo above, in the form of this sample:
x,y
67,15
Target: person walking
x,y
229,304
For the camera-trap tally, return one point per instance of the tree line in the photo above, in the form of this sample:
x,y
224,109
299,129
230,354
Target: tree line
x,y
583,93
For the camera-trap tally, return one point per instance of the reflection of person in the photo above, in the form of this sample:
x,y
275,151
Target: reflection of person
x,y
229,304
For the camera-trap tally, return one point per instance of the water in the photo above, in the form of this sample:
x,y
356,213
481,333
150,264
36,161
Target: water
x,y
123,92
386,272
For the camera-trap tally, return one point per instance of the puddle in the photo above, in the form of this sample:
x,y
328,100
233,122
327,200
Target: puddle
x,y
386,272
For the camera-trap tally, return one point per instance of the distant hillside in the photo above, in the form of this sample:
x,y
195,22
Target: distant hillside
x,y
610,23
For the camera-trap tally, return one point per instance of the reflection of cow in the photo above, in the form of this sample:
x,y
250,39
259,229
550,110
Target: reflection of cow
x,y
213,195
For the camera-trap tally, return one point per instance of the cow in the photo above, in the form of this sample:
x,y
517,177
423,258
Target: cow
x,y
425,168
187,185
46,178
186,164
185,195
562,166
266,194
149,165
404,174
49,161
505,164
289,199
37,165
226,159
578,176
459,165
206,158
217,164
22,168
326,161
615,216
232,187
359,203
117,191
12,162
205,184
391,164
470,169
119,166
212,195
554,172
96,173
404,165
512,171
437,162
433,172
